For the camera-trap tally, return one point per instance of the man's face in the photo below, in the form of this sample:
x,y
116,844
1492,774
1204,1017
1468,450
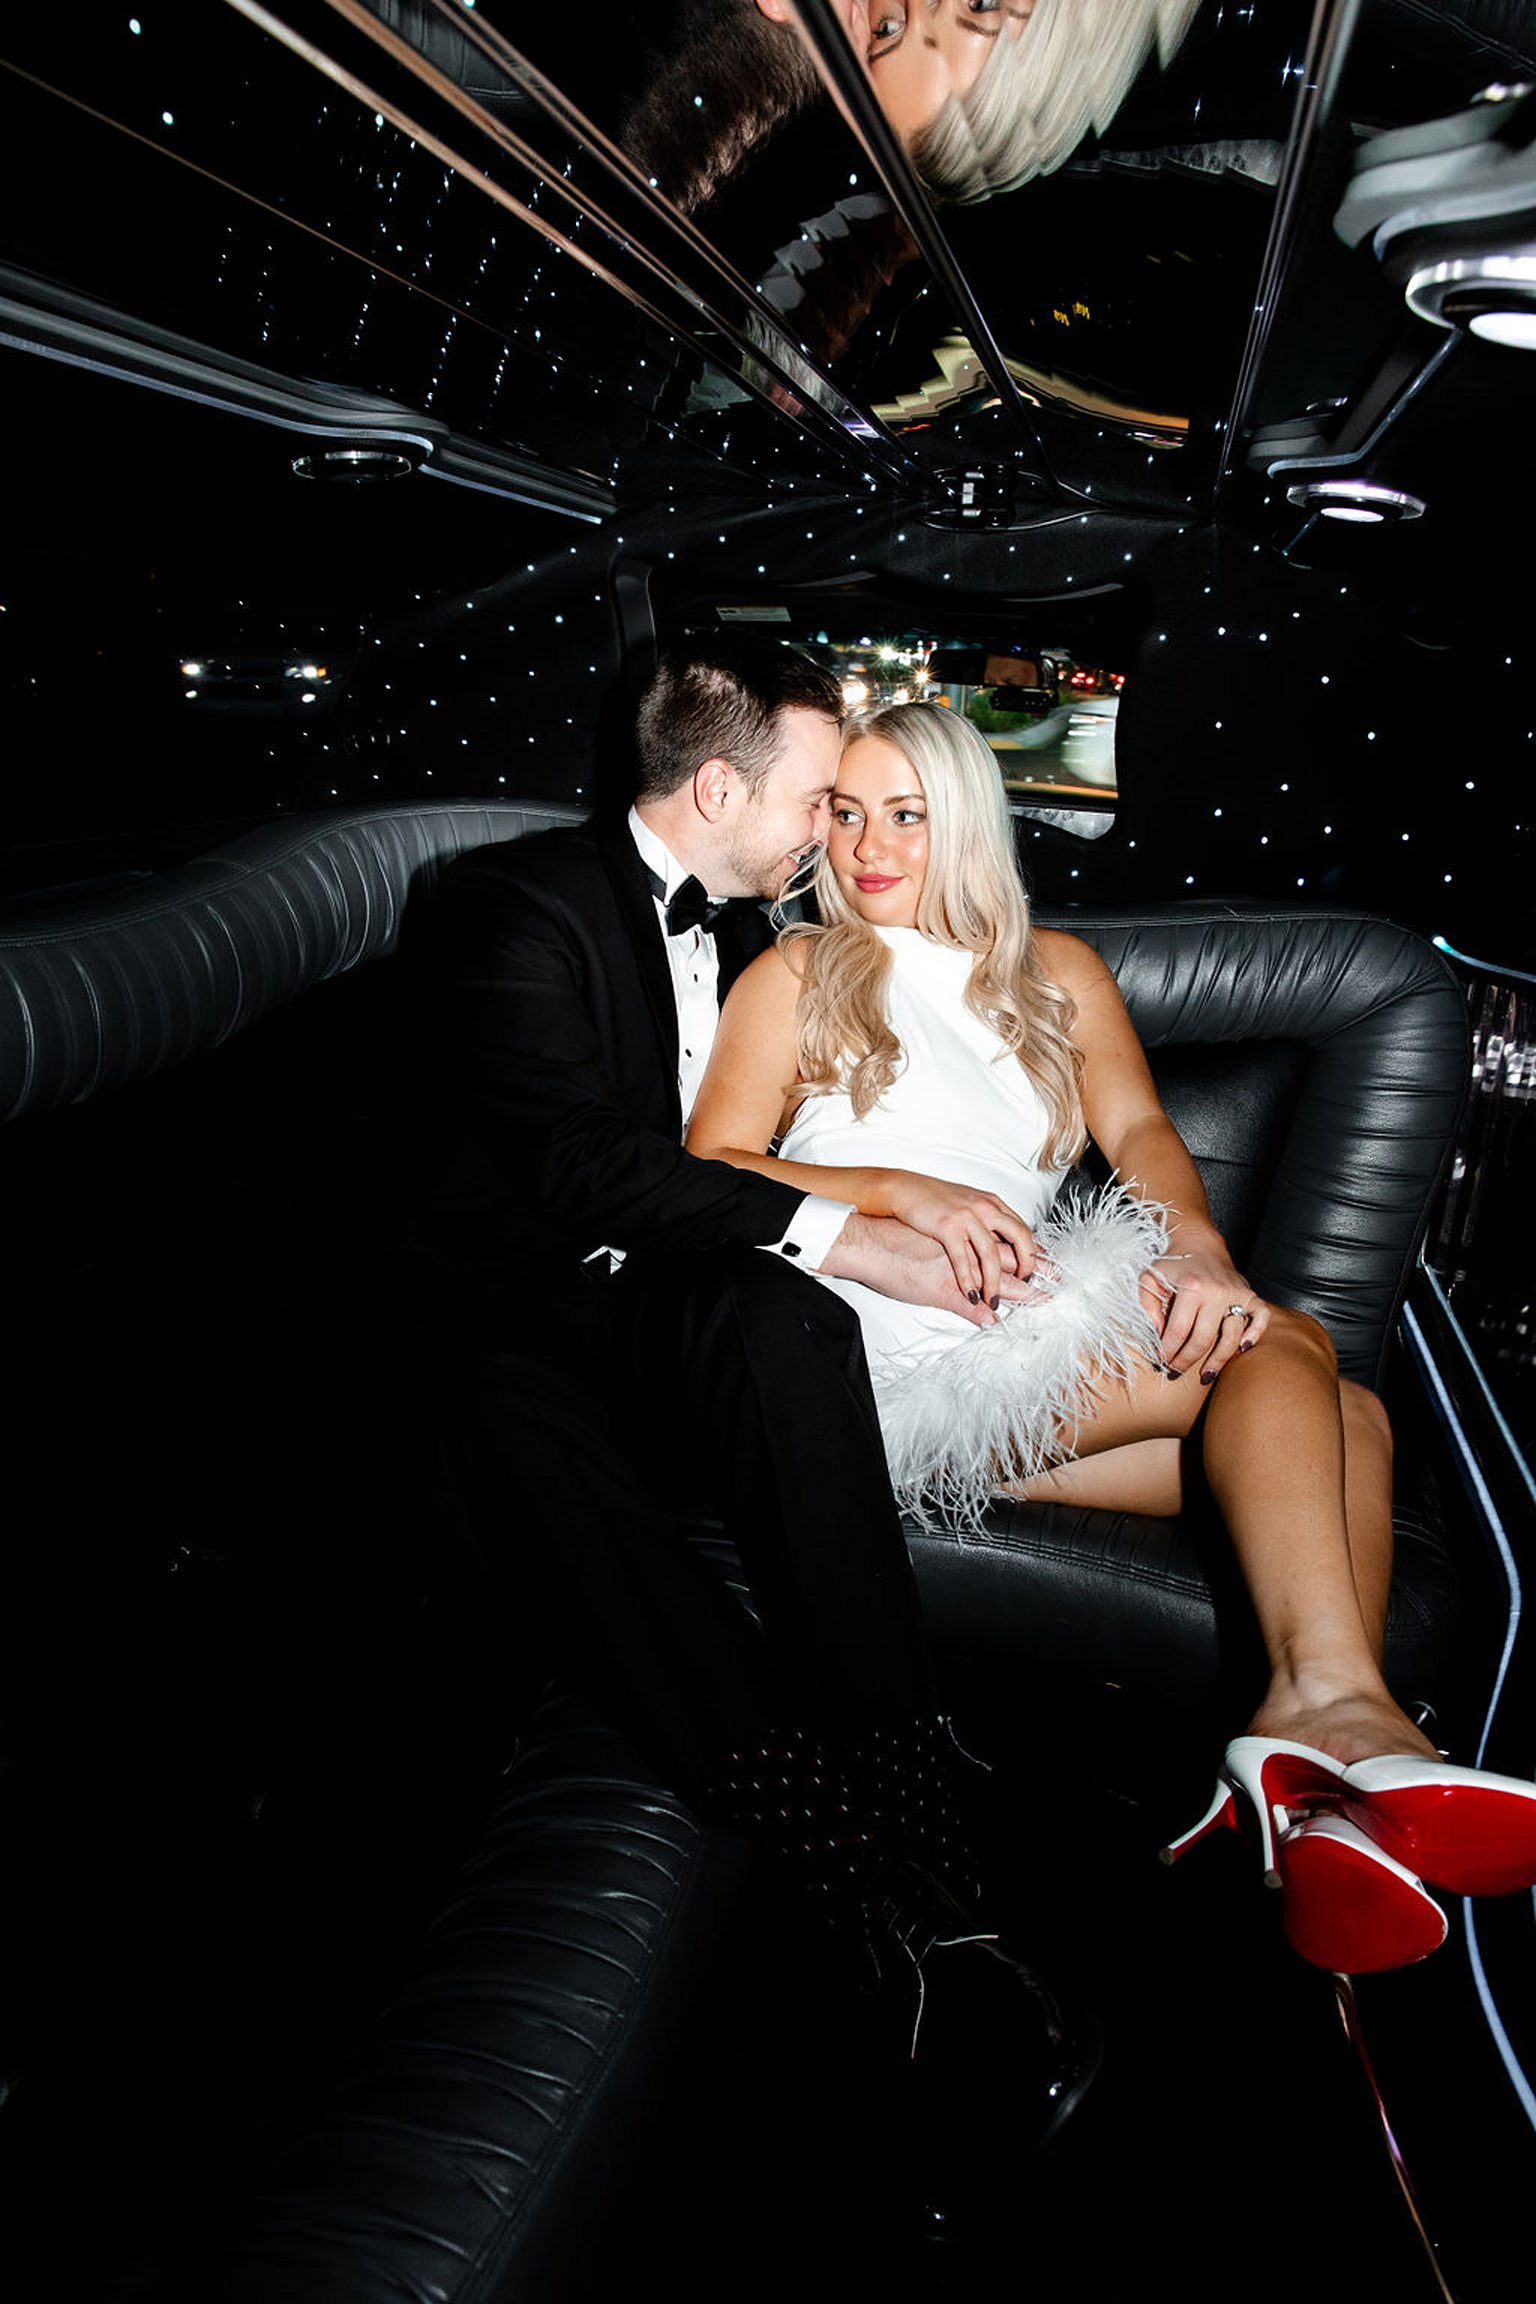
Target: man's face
x,y
765,834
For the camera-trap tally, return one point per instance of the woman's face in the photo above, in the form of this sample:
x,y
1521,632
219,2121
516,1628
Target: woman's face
x,y
923,52
920,53
877,843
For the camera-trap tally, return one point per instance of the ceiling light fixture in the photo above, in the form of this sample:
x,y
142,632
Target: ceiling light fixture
x,y
354,464
1494,296
1362,500
1448,208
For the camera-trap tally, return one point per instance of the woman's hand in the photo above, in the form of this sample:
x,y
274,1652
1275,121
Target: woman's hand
x,y
887,1255
980,1234
1204,1309
1190,1293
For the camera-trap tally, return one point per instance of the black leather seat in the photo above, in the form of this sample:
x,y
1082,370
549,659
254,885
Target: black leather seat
x,y
198,1070
1315,1063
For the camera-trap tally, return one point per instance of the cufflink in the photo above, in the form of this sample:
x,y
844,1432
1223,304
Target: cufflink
x,y
789,1248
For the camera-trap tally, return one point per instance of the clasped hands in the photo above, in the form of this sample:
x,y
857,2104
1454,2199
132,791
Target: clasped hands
x,y
940,1244
965,1251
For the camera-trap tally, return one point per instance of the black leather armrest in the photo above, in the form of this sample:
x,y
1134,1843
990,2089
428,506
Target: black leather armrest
x,y
1366,1120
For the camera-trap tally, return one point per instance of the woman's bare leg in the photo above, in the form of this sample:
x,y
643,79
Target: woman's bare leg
x,y
1300,1469
1368,1502
1313,1533
1135,1476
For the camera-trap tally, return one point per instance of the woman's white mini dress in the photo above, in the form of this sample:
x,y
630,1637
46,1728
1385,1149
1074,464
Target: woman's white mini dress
x,y
962,1407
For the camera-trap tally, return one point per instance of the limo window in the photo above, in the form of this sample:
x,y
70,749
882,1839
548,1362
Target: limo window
x,y
1048,706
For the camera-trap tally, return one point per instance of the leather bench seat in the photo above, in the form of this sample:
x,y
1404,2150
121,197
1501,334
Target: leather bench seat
x,y
489,2129
216,1585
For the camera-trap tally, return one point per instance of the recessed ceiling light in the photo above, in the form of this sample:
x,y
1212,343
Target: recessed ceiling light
x,y
1362,500
1493,296
354,464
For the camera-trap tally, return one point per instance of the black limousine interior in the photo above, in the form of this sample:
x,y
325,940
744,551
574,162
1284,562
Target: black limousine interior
x,y
387,383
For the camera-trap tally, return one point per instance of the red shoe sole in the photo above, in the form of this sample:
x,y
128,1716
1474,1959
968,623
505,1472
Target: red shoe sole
x,y
1348,1910
1469,1833
1470,1839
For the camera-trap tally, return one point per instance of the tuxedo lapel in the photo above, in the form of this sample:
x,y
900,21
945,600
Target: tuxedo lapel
x,y
637,913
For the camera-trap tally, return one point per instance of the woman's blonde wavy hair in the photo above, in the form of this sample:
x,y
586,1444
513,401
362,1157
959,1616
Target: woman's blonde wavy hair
x,y
972,898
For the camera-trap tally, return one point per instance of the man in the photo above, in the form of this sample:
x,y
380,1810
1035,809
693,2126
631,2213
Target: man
x,y
645,1336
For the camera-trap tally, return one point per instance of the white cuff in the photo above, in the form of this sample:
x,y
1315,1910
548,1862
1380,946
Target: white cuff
x,y
813,1228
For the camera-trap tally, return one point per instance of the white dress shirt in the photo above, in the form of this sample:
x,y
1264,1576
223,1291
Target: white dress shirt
x,y
695,966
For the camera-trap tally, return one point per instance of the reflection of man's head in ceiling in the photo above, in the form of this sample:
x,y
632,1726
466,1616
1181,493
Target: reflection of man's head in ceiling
x,y
730,73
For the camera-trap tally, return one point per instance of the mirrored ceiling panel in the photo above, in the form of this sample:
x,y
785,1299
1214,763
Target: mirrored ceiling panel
x,y
583,235
1099,177
1015,257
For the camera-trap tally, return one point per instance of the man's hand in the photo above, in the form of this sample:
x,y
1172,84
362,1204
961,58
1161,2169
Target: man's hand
x,y
980,1234
888,1255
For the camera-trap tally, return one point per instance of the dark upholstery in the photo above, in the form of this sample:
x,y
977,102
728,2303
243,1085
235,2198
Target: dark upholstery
x,y
112,988
1317,1067
1351,1053
212,1622
491,2112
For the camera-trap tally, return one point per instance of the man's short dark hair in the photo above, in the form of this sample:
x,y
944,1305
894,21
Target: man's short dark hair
x,y
720,699
728,79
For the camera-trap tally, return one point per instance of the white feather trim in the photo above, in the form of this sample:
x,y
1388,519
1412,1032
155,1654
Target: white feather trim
x,y
1007,1401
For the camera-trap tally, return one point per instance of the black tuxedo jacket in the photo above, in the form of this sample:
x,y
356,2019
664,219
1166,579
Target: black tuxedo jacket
x,y
553,1026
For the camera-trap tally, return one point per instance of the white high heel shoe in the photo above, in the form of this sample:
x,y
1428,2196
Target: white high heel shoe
x,y
1466,1830
1462,1829
1348,1905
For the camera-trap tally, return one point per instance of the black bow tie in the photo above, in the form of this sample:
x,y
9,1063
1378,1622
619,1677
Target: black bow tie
x,y
691,907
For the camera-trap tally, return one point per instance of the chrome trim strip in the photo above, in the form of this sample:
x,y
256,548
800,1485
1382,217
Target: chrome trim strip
x,y
1473,1469
1494,1526
1333,24
242,392
855,99
1524,2092
1354,2031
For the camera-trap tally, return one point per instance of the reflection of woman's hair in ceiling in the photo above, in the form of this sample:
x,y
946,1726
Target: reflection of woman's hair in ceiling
x,y
730,77
1039,95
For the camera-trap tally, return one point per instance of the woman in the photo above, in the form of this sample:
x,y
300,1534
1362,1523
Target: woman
x,y
987,94
924,1017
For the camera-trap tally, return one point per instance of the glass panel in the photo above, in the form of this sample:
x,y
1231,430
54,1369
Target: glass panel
x,y
1048,713
1480,1243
